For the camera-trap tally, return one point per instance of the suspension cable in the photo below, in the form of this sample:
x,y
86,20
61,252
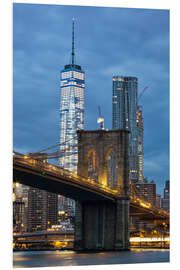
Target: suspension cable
x,y
54,146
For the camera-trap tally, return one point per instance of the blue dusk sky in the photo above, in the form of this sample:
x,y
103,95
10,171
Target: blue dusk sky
x,y
108,41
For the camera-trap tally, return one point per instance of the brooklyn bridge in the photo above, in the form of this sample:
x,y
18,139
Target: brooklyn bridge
x,y
105,201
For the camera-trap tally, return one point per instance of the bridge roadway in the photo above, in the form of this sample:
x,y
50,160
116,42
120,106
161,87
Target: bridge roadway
x,y
45,235
42,175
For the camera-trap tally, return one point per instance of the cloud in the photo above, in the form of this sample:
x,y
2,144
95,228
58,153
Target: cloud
x,y
156,165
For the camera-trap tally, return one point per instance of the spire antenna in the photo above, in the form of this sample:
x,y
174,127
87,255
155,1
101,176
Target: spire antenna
x,y
73,41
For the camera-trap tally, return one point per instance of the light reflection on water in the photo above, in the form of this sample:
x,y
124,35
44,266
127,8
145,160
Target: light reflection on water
x,y
71,258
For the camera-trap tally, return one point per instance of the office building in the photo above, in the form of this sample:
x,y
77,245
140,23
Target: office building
x,y
36,210
146,191
140,128
42,209
166,198
52,209
167,190
71,110
71,115
20,199
33,209
18,215
158,200
124,116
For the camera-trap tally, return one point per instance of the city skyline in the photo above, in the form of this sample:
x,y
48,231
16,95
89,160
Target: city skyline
x,y
42,47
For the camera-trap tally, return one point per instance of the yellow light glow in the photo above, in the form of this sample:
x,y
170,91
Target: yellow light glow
x,y
61,212
145,205
14,197
148,239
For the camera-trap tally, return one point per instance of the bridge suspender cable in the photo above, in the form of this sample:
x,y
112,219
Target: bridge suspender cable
x,y
42,156
51,147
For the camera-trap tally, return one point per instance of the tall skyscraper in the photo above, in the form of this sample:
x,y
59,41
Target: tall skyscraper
x,y
124,116
71,115
166,190
140,127
166,199
71,110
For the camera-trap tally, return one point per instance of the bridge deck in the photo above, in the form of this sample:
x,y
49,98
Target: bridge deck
x,y
46,176
49,177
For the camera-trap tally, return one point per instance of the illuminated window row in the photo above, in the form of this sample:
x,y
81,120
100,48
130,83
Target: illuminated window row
x,y
78,75
67,74
72,74
118,79
65,83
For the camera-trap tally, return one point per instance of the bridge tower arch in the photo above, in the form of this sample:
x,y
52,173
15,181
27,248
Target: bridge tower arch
x,y
93,164
112,169
103,144
103,224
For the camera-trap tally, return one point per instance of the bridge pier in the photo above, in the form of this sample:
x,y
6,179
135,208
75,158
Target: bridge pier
x,y
102,225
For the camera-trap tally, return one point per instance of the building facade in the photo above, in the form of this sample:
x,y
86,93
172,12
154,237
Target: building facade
x,y
124,116
52,210
18,215
71,110
42,209
71,114
140,128
158,200
33,209
20,205
166,198
146,191
167,190
36,210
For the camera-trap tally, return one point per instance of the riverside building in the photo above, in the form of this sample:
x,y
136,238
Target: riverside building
x,y
42,209
146,191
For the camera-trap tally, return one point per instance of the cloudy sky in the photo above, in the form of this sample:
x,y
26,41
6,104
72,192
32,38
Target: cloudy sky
x,y
108,41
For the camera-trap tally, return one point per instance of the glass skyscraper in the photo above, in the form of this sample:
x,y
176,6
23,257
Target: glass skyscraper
x,y
140,141
124,116
71,116
71,111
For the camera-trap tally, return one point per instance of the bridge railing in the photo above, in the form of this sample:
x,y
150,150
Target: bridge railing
x,y
55,170
137,200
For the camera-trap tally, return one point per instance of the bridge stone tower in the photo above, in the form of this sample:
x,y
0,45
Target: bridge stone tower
x,y
103,224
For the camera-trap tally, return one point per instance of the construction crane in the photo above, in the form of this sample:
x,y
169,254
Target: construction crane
x,y
142,92
100,119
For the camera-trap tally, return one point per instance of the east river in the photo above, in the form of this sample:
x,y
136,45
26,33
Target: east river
x,y
71,258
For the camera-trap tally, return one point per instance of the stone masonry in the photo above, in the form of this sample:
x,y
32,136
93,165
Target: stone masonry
x,y
103,224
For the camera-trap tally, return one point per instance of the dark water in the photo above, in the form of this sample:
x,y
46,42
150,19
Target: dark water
x,y
70,258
